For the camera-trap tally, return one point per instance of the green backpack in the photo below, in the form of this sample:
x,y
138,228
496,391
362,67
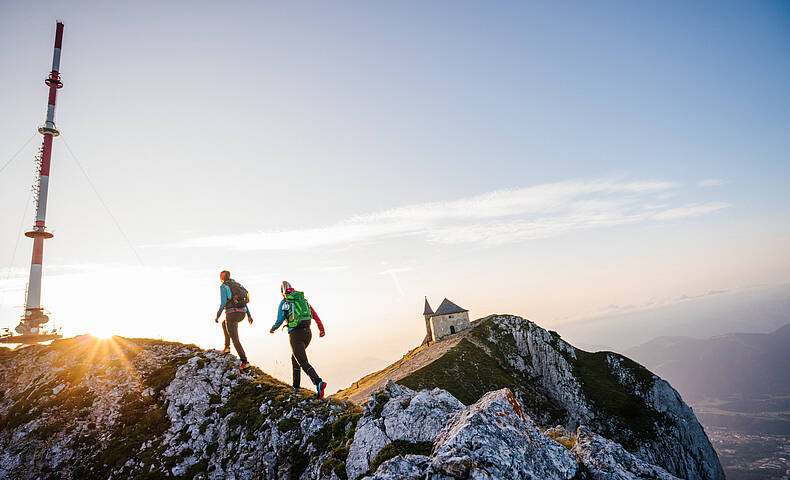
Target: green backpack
x,y
300,310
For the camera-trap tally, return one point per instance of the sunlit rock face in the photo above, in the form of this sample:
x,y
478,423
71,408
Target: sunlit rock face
x,y
86,408
136,408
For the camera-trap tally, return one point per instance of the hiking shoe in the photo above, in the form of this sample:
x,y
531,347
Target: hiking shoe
x,y
321,388
226,350
296,389
244,366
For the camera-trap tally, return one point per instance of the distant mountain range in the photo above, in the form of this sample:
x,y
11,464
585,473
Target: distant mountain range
x,y
757,309
737,380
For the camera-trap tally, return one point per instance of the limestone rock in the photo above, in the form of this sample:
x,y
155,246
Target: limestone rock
x,y
140,408
607,460
408,467
494,439
580,384
398,413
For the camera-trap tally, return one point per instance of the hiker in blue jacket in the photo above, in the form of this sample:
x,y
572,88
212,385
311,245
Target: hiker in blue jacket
x,y
298,312
235,311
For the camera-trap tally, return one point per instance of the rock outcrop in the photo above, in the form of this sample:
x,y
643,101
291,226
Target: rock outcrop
x,y
147,409
87,408
492,439
605,460
559,384
495,439
398,414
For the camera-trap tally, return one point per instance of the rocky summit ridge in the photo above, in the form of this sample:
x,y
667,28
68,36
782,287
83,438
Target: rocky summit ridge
x,y
85,408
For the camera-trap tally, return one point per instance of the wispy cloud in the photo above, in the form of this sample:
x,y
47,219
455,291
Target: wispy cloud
x,y
492,218
711,182
693,210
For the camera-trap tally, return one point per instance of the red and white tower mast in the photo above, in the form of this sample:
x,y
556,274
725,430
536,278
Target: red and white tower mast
x,y
34,315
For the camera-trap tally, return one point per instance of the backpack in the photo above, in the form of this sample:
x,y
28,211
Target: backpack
x,y
300,309
239,296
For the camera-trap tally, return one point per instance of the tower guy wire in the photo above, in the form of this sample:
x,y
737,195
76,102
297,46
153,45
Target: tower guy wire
x,y
104,204
8,162
16,248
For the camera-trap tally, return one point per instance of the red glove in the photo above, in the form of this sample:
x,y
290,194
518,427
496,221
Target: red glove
x,y
322,333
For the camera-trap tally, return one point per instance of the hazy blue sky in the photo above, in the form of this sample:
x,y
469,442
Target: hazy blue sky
x,y
540,159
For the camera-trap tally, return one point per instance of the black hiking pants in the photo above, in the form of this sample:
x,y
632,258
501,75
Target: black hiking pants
x,y
230,326
300,339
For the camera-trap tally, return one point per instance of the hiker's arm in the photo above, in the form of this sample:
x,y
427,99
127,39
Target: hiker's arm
x,y
280,317
223,294
317,320
249,315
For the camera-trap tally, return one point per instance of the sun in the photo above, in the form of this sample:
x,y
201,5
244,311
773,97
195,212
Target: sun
x,y
102,331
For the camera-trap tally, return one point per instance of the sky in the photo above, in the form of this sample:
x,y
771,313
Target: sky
x,y
548,160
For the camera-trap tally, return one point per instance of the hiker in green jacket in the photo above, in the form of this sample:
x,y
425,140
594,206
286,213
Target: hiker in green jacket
x,y
295,308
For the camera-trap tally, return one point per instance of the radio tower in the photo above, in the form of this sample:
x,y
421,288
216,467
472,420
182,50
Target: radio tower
x,y
29,327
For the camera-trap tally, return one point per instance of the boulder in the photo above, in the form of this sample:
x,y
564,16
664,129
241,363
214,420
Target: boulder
x,y
408,467
398,413
494,439
607,460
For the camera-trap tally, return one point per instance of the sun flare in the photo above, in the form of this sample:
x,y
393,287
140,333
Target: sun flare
x,y
102,331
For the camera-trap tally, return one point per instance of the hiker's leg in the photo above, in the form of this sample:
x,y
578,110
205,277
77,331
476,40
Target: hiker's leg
x,y
233,329
300,338
297,345
225,331
297,370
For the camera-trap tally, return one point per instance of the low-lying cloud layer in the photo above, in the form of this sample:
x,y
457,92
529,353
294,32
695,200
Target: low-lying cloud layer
x,y
489,219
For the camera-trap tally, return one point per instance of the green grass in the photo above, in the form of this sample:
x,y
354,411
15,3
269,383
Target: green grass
x,y
160,378
298,461
336,438
244,406
466,371
245,401
196,468
287,424
633,420
381,399
469,372
140,419
28,405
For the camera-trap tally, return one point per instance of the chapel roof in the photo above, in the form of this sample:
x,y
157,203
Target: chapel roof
x,y
428,310
448,307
